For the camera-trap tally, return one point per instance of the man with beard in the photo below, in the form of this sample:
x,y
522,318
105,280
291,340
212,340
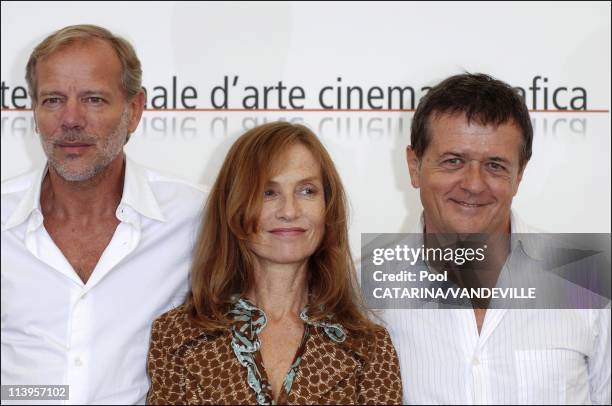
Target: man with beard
x,y
94,246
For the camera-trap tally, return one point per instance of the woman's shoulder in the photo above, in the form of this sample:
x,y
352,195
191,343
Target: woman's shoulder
x,y
382,343
368,355
176,318
177,327
380,381
371,344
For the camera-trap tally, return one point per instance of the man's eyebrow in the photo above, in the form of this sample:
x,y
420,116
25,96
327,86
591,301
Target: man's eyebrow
x,y
94,92
51,92
452,153
462,155
499,159
85,93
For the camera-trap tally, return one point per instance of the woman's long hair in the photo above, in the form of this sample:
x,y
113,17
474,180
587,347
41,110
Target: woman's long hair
x,y
223,263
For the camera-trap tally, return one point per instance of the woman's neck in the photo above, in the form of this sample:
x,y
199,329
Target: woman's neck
x,y
280,290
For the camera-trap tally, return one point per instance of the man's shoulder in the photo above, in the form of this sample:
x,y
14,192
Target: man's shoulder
x,y
520,226
18,184
172,186
173,192
161,180
14,190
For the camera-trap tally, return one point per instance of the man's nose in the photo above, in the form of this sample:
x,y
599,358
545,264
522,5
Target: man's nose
x,y
73,115
473,180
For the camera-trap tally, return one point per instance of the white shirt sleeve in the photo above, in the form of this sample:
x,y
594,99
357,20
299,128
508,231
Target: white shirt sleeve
x,y
599,362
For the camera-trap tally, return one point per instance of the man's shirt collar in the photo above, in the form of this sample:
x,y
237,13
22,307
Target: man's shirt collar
x,y
30,202
137,192
137,195
517,227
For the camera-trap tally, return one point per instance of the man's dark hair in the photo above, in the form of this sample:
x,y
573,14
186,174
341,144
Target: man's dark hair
x,y
482,99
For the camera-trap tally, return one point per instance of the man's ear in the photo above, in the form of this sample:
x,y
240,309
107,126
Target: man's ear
x,y
519,178
413,166
136,107
35,118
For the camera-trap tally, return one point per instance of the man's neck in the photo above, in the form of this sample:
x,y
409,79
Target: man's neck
x,y
481,272
94,198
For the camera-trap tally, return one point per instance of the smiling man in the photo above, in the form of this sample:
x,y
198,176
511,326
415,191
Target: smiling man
x,y
471,140
94,246
468,173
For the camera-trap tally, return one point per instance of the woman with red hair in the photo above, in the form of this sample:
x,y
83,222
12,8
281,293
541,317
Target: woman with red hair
x,y
274,314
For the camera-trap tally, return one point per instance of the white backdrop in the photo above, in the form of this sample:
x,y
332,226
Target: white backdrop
x,y
566,187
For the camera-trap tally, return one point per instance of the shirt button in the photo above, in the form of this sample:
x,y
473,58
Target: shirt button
x,y
78,362
83,296
475,361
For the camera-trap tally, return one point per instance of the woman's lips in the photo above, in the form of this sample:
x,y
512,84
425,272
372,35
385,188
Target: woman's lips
x,y
288,232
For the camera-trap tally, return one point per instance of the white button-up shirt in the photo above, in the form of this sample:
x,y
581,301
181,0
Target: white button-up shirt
x,y
521,356
93,336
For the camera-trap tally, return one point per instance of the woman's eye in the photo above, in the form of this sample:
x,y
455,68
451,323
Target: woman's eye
x,y
308,190
269,194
